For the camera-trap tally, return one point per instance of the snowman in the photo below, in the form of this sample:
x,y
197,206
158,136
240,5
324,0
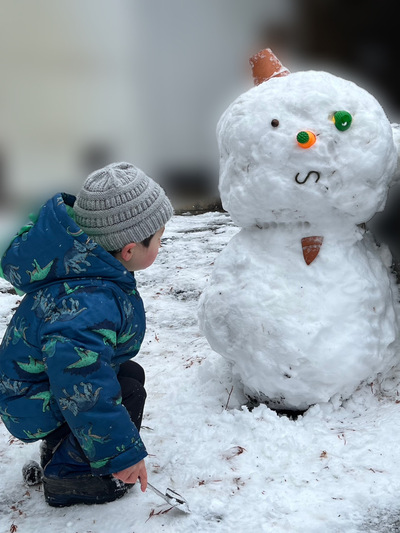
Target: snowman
x,y
301,301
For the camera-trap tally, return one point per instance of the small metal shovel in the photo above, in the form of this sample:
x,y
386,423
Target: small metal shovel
x,y
172,498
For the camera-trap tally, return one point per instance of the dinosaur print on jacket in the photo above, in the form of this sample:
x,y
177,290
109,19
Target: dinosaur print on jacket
x,y
34,366
87,363
16,333
77,256
80,400
44,306
81,317
39,273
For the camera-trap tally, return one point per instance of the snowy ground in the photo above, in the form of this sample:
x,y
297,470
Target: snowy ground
x,y
334,470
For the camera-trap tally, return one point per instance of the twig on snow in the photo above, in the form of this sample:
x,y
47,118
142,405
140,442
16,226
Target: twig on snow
x,y
229,397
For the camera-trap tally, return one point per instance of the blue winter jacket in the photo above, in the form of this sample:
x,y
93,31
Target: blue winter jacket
x,y
80,319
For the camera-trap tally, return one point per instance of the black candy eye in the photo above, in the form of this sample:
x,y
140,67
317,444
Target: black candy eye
x,y
274,122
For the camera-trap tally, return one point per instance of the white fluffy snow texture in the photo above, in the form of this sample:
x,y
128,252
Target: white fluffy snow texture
x,y
297,333
300,333
334,470
259,162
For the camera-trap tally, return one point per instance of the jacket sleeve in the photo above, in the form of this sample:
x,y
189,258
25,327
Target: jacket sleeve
x,y
79,346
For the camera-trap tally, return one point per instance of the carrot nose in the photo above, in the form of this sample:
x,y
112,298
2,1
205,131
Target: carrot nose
x,y
306,139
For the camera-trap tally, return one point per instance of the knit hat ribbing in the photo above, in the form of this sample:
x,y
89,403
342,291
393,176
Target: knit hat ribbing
x,y
120,204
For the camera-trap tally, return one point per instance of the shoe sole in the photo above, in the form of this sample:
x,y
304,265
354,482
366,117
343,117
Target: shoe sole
x,y
94,490
32,473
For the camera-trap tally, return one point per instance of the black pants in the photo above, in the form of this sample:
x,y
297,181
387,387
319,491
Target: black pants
x,y
131,378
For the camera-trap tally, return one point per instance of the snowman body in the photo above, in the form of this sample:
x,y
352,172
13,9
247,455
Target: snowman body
x,y
300,332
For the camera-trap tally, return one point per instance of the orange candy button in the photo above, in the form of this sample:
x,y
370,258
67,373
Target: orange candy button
x,y
306,139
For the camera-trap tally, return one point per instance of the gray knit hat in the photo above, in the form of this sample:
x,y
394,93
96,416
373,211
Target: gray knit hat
x,y
119,204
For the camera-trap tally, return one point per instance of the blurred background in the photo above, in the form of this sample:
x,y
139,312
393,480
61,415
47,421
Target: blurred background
x,y
88,82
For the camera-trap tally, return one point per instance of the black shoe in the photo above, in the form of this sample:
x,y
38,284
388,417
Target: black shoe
x,y
32,473
46,452
85,488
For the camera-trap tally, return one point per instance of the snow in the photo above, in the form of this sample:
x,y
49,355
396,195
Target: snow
x,y
335,469
351,169
285,323
287,326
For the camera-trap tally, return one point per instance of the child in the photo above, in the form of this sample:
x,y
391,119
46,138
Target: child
x,y
65,371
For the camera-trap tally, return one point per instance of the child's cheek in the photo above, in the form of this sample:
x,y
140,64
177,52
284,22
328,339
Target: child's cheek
x,y
151,257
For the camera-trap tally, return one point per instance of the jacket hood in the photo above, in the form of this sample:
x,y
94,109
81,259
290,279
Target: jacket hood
x,y
55,249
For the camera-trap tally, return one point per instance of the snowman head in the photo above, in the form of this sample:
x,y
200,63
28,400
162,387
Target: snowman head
x,y
305,147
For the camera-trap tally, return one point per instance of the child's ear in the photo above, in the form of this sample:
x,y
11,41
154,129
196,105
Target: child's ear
x,y
127,251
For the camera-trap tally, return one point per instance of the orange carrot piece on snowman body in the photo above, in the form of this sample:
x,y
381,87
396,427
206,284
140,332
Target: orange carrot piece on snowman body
x,y
311,247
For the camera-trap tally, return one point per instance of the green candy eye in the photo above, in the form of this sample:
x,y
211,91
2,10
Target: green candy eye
x,y
342,120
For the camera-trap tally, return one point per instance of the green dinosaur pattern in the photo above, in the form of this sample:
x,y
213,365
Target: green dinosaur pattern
x,y
69,290
45,397
87,439
109,336
35,366
86,358
126,337
38,435
101,463
137,444
49,348
39,273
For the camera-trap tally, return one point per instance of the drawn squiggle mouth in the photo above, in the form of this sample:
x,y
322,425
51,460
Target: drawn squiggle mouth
x,y
304,180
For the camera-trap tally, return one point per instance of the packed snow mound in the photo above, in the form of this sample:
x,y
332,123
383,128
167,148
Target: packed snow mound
x,y
262,166
302,301
295,341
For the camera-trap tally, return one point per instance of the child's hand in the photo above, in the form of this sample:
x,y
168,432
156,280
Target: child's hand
x,y
133,473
